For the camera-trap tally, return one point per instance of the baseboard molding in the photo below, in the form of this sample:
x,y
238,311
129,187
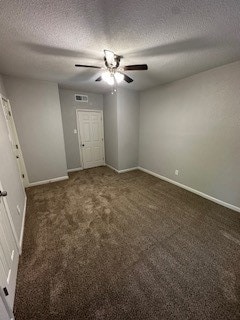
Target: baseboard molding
x,y
122,171
127,170
38,183
23,224
108,165
75,169
204,195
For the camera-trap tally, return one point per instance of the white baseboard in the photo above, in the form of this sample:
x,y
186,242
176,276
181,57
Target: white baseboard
x,y
75,169
37,183
23,224
204,195
108,165
128,169
122,171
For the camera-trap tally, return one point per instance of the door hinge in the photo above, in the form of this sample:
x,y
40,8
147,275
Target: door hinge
x,y
5,290
16,146
9,113
23,176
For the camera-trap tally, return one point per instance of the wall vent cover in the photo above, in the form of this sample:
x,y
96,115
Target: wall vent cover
x,y
81,98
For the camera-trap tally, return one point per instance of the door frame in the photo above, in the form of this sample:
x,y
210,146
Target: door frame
x,y
13,130
79,134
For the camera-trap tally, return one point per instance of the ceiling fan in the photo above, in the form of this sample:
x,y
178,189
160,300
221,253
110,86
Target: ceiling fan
x,y
113,72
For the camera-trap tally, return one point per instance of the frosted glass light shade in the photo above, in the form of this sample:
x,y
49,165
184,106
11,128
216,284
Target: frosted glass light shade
x,y
108,77
119,77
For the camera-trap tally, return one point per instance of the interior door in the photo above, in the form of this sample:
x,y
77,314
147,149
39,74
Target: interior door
x,y
13,137
8,254
91,141
5,311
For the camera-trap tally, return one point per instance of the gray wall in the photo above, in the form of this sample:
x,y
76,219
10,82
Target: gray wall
x,y
193,125
9,175
69,107
110,129
128,128
36,110
121,127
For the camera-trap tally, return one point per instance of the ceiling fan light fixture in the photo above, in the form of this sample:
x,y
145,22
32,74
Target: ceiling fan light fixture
x,y
111,81
108,77
119,77
110,58
113,73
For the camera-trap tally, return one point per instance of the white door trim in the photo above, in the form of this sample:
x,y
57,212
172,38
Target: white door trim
x,y
79,138
23,225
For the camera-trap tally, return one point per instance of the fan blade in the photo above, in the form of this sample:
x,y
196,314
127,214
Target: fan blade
x,y
86,66
127,78
136,67
99,79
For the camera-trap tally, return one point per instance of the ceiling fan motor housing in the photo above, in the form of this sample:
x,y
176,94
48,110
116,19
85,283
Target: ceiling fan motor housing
x,y
111,65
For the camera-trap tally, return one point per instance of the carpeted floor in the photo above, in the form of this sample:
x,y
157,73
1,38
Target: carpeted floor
x,y
103,245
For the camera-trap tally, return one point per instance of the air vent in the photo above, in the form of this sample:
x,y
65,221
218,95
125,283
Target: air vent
x,y
81,98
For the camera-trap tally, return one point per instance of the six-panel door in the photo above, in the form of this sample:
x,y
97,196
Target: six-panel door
x,y
90,126
8,255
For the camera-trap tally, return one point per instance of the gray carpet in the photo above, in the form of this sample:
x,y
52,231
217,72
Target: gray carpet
x,y
107,246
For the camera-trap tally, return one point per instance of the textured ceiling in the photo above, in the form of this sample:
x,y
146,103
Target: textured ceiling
x,y
44,39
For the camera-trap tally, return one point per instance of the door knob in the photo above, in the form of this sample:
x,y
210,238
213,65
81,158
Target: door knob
x,y
3,193
83,145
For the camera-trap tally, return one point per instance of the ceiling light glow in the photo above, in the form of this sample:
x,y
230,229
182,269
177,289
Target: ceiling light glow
x,y
108,77
119,77
111,81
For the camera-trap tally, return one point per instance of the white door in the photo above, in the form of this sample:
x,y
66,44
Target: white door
x,y
8,254
5,311
91,141
13,137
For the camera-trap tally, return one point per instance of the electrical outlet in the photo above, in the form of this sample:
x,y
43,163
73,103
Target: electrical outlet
x,y
18,209
176,172
75,131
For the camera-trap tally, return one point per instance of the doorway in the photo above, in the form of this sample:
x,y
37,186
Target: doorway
x,y
91,138
13,137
